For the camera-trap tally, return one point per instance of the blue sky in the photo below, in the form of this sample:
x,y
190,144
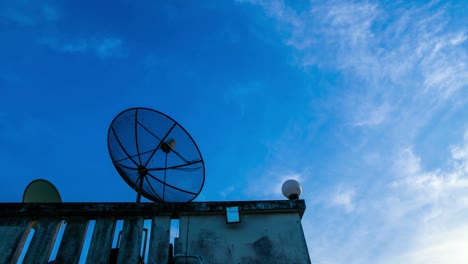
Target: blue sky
x,y
364,102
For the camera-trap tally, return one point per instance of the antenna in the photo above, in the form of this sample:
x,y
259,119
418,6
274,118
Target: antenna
x,y
156,156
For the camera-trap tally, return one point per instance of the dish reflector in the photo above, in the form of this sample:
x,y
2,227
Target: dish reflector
x,y
156,156
41,191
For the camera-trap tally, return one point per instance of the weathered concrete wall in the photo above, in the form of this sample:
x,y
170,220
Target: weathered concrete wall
x,y
269,232
258,238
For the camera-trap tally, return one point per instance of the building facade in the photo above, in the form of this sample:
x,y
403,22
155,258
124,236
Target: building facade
x,y
243,232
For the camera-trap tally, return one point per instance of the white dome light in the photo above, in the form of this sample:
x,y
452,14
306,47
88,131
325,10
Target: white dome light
x,y
291,189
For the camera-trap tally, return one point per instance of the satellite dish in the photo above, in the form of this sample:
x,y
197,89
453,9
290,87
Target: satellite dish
x,y
41,191
155,156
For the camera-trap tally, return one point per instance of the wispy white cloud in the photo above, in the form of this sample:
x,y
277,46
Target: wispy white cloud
x,y
268,185
18,18
26,13
109,47
71,47
439,184
228,190
404,56
437,202
344,198
371,115
403,66
438,247
105,47
50,13
419,216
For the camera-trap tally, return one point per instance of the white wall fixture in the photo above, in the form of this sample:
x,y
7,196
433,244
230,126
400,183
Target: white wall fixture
x,y
291,189
232,214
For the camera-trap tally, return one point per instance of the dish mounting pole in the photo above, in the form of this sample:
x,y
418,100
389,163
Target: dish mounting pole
x,y
142,171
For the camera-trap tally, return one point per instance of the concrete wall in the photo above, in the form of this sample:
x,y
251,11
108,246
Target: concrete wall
x,y
258,238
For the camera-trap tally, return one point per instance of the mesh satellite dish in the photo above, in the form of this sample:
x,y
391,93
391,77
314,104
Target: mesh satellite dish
x,y
156,156
41,191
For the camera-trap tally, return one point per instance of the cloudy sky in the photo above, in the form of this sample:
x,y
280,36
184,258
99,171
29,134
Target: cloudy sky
x,y
364,102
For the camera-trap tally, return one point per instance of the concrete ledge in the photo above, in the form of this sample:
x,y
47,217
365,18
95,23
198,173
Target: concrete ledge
x,y
147,210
